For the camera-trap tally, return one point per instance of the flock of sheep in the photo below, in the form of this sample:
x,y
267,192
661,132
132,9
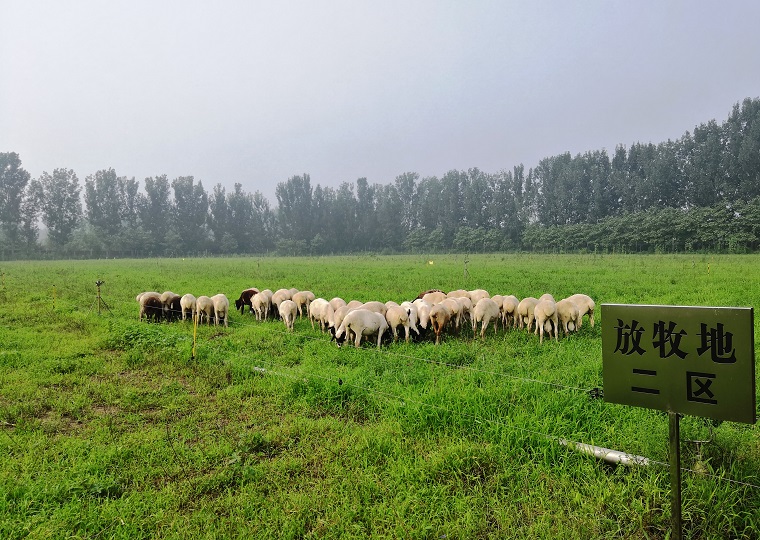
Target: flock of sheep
x,y
432,310
170,306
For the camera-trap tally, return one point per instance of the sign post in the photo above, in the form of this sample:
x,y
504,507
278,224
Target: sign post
x,y
683,360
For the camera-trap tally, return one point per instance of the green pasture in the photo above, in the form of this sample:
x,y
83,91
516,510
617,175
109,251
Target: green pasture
x,y
111,428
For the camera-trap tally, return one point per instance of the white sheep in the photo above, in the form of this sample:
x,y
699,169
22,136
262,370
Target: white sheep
x,y
361,322
280,295
413,316
509,310
423,313
585,306
459,293
355,304
457,311
288,311
545,313
338,316
440,317
477,294
204,306
485,310
221,308
569,315
374,305
150,306
302,300
434,297
322,312
171,303
397,316
187,304
261,304
337,302
525,311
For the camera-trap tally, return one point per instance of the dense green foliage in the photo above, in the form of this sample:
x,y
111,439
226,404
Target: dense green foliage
x,y
698,193
110,428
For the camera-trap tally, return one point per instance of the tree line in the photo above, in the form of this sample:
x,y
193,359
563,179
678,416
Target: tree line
x,y
700,192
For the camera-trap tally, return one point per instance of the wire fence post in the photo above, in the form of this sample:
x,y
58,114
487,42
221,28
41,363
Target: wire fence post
x,y
675,474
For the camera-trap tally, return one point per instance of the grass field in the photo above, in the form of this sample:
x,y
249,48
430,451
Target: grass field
x,y
110,428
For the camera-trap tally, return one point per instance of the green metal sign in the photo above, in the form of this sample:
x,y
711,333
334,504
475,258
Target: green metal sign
x,y
698,361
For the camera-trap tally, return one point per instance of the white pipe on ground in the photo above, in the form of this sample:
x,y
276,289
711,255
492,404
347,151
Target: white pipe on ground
x,y
608,455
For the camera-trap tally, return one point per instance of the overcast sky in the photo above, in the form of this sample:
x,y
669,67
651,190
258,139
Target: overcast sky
x,y
257,92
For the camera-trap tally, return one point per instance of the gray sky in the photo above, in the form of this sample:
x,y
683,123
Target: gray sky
x,y
256,92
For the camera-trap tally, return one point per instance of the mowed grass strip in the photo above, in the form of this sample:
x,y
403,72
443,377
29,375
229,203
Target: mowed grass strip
x,y
110,428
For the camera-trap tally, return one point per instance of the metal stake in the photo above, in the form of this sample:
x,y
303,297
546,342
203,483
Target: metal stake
x,y
675,474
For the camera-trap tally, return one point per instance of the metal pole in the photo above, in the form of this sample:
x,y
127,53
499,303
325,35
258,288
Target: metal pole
x,y
675,474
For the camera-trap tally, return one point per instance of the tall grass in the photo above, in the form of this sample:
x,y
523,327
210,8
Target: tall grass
x,y
112,428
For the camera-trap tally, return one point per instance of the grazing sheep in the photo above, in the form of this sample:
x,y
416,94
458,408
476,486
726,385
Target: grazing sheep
x,y
338,316
245,300
434,297
525,312
440,316
459,293
150,306
355,304
423,293
509,310
261,304
280,295
374,305
221,308
477,294
288,311
204,306
569,315
485,311
302,300
423,313
585,305
322,312
413,316
545,312
457,311
171,303
547,296
361,322
397,316
267,293
337,302
187,304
